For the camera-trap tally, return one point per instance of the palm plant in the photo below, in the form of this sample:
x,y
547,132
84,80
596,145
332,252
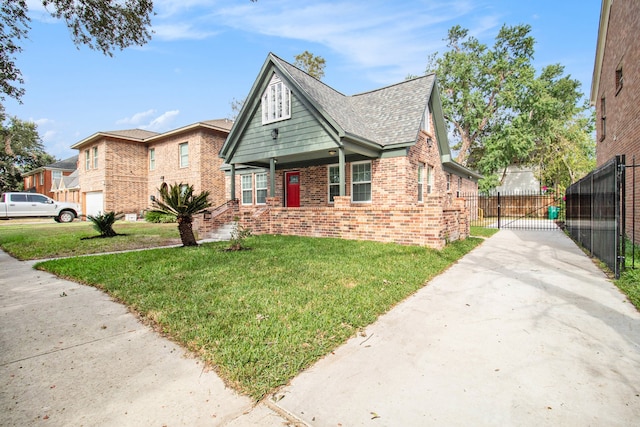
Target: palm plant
x,y
103,223
179,200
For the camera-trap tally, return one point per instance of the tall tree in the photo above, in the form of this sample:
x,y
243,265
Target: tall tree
x,y
502,113
311,64
22,151
482,87
101,25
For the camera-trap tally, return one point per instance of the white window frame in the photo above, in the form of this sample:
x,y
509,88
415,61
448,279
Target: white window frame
x,y
246,184
356,181
276,101
330,182
184,156
95,157
261,188
448,182
420,182
152,159
429,179
87,159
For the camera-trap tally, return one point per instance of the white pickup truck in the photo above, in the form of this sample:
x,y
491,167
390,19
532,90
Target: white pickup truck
x,y
25,205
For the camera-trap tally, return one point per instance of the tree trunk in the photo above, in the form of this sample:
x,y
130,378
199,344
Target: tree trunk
x,y
186,232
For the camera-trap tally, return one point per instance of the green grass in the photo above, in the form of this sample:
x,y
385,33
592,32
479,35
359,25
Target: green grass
x,y
629,281
44,240
261,316
483,231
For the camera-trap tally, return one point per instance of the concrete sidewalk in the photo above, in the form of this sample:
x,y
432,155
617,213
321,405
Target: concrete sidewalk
x,y
70,356
523,331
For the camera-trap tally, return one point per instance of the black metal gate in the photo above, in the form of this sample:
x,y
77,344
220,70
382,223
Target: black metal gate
x,y
595,213
539,210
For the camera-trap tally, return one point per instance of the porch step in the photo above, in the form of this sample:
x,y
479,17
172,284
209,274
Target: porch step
x,y
221,234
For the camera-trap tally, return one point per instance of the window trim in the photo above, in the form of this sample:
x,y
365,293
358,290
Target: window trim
x,y
183,158
448,182
248,190
421,168
152,159
275,101
430,179
332,184
87,160
355,183
265,188
95,158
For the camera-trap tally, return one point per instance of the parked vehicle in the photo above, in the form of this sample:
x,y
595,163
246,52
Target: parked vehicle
x,y
26,205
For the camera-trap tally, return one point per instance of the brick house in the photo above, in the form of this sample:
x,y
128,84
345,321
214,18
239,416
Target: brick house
x,y
41,180
304,159
67,188
615,91
122,170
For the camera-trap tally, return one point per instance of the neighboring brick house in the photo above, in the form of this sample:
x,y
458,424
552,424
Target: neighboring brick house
x,y
615,92
121,171
304,159
40,180
67,188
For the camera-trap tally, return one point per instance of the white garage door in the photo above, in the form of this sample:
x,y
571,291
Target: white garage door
x,y
95,203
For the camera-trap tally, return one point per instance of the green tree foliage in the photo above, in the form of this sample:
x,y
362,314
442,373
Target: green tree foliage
x,y
100,25
501,113
311,64
22,151
179,200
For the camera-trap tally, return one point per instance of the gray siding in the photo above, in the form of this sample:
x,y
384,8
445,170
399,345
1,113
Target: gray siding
x,y
299,134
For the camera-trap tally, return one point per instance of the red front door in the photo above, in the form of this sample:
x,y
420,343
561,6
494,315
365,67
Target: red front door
x,y
293,189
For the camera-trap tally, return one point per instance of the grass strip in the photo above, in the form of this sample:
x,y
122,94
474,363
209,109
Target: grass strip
x,y
39,241
261,316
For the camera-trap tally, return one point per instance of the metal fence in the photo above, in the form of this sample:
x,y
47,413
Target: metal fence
x,y
595,208
536,210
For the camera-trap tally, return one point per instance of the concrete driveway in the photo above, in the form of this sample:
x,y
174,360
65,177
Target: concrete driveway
x,y
523,331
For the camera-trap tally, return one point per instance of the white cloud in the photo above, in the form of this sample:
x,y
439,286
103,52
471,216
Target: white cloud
x,y
388,41
180,31
163,122
137,118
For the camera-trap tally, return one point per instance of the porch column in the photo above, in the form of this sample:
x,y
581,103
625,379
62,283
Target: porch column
x,y
342,171
272,177
233,181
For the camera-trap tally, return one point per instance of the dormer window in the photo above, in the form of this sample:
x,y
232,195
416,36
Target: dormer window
x,y
276,101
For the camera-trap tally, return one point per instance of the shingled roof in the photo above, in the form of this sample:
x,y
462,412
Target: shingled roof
x,y
389,115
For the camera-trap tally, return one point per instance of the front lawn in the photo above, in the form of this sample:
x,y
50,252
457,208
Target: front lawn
x,y
261,316
53,240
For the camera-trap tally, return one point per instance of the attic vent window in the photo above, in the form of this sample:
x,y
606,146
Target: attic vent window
x,y
619,79
276,101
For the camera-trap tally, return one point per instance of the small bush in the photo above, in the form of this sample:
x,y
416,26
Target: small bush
x,y
238,236
159,218
103,222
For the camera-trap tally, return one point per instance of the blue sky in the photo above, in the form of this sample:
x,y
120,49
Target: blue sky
x,y
206,53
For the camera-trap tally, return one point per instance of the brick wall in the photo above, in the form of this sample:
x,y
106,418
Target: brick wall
x,y
125,176
622,50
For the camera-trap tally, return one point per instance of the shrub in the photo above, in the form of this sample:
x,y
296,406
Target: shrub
x,y
103,222
159,218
